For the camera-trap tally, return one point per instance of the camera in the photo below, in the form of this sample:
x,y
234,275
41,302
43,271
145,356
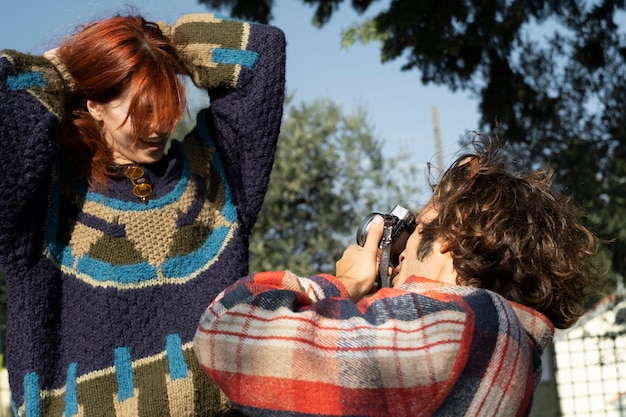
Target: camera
x,y
399,224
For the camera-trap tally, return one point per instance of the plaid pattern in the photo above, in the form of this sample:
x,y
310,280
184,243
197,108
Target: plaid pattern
x,y
282,345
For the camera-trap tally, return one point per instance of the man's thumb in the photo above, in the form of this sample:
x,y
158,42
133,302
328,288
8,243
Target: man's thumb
x,y
375,233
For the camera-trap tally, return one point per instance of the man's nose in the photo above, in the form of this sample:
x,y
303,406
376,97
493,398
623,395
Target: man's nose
x,y
401,257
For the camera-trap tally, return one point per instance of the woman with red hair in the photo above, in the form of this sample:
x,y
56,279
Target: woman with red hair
x,y
113,237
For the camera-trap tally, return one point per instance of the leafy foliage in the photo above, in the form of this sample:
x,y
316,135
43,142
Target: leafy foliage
x,y
549,75
254,10
328,175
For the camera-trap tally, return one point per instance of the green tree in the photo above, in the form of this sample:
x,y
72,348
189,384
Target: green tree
x,y
549,76
328,175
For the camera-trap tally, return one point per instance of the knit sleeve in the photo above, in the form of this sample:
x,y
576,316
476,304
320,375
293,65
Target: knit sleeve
x,y
30,107
396,353
242,65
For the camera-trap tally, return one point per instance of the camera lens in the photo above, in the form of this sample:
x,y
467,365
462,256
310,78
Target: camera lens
x,y
364,227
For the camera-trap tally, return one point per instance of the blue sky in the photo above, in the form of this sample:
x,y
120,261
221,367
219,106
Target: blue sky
x,y
400,108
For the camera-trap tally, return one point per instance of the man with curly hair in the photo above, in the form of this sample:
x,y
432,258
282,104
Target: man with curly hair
x,y
497,260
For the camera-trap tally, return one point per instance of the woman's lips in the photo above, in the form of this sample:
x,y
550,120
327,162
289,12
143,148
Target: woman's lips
x,y
156,143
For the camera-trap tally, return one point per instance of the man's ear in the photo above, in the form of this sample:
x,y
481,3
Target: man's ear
x,y
444,247
95,109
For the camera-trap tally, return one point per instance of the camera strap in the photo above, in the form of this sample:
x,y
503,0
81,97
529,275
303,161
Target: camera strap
x,y
384,279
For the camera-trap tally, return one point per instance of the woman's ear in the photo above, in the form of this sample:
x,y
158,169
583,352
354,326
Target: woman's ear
x,y
95,109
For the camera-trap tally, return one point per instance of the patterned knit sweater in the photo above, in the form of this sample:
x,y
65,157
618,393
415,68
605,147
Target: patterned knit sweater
x,y
104,292
280,345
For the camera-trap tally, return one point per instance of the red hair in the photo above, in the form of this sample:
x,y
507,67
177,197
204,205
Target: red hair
x,y
104,59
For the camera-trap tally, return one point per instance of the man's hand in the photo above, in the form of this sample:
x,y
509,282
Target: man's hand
x,y
358,267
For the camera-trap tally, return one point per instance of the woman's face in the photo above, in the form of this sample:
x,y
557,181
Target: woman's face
x,y
118,133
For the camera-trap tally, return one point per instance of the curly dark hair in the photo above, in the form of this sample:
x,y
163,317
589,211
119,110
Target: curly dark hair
x,y
514,233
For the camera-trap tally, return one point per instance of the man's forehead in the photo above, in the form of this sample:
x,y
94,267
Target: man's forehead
x,y
427,213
